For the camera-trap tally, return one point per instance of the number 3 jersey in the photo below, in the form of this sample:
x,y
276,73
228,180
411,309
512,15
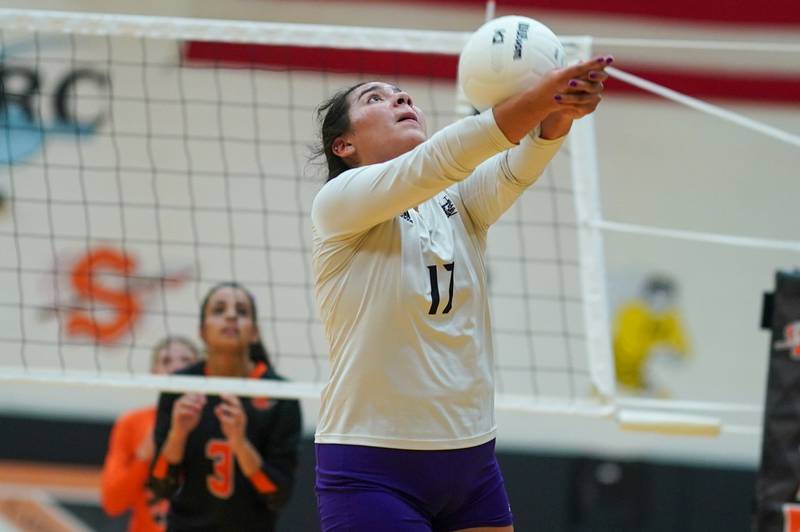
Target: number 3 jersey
x,y
400,280
208,490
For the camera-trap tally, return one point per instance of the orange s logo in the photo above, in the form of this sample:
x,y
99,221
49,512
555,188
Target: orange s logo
x,y
85,284
220,483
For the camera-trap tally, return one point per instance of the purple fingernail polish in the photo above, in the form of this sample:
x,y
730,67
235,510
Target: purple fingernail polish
x,y
573,83
592,75
558,97
609,60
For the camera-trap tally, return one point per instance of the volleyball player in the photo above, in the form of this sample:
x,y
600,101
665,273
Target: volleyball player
x,y
131,449
227,463
405,440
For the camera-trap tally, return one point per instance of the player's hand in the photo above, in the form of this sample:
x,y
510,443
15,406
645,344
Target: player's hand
x,y
579,92
581,87
186,413
569,93
232,418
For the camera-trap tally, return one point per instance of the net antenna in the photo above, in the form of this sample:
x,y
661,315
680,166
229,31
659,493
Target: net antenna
x,y
490,10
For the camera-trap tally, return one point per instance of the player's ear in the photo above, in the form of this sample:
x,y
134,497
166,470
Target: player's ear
x,y
342,148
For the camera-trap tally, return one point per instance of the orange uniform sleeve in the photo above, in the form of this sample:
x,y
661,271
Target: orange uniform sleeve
x,y
124,475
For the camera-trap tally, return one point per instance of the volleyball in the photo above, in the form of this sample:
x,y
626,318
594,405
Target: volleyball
x,y
505,56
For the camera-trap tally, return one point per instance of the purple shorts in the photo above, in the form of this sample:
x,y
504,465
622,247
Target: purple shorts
x,y
365,489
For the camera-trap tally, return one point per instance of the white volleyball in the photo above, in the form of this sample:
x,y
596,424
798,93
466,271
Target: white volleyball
x,y
505,56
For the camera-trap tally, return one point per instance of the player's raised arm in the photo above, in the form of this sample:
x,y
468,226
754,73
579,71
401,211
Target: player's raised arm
x,y
498,182
554,93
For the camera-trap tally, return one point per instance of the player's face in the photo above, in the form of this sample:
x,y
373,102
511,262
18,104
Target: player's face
x,y
173,357
228,325
384,123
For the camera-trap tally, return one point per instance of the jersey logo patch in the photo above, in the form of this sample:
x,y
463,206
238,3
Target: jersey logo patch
x,y
407,217
448,207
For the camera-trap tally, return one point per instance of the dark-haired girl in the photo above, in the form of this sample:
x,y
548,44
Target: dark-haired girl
x,y
405,441
226,463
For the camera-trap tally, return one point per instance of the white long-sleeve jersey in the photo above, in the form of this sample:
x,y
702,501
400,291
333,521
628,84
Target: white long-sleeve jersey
x,y
400,278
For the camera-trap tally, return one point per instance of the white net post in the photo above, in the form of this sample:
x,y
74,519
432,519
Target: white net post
x,y
593,275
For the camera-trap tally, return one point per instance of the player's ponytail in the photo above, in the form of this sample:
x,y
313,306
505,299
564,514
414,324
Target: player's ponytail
x,y
258,353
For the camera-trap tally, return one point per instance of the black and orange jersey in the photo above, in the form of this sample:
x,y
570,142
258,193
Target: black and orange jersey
x,y
207,490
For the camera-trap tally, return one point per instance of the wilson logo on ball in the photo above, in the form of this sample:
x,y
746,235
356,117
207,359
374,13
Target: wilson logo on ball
x,y
522,35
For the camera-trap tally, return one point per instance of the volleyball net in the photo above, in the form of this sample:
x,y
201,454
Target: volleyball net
x,y
147,159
